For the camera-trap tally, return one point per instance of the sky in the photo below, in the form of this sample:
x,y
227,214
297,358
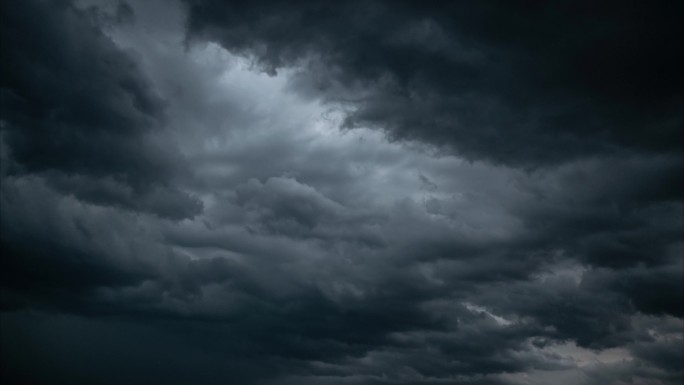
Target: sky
x,y
357,193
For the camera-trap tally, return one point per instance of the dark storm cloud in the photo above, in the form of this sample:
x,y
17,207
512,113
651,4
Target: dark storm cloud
x,y
615,212
317,256
654,291
56,251
514,83
75,105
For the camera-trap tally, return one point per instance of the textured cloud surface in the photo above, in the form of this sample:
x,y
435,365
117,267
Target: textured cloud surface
x,y
365,192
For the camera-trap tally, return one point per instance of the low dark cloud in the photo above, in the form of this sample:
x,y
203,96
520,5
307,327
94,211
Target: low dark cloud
x,y
77,106
183,201
525,84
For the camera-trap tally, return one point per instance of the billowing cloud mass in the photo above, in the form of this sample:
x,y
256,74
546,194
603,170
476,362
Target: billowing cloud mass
x,y
360,192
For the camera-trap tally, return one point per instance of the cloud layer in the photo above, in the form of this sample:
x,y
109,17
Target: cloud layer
x,y
367,193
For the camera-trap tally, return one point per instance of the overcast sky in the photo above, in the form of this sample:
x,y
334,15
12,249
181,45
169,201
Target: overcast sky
x,y
358,192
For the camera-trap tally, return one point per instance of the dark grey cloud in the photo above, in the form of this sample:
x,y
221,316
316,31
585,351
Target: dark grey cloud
x,y
76,105
182,200
527,84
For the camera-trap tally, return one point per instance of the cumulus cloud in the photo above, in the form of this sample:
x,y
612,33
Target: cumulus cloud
x,y
518,84
361,193
74,104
